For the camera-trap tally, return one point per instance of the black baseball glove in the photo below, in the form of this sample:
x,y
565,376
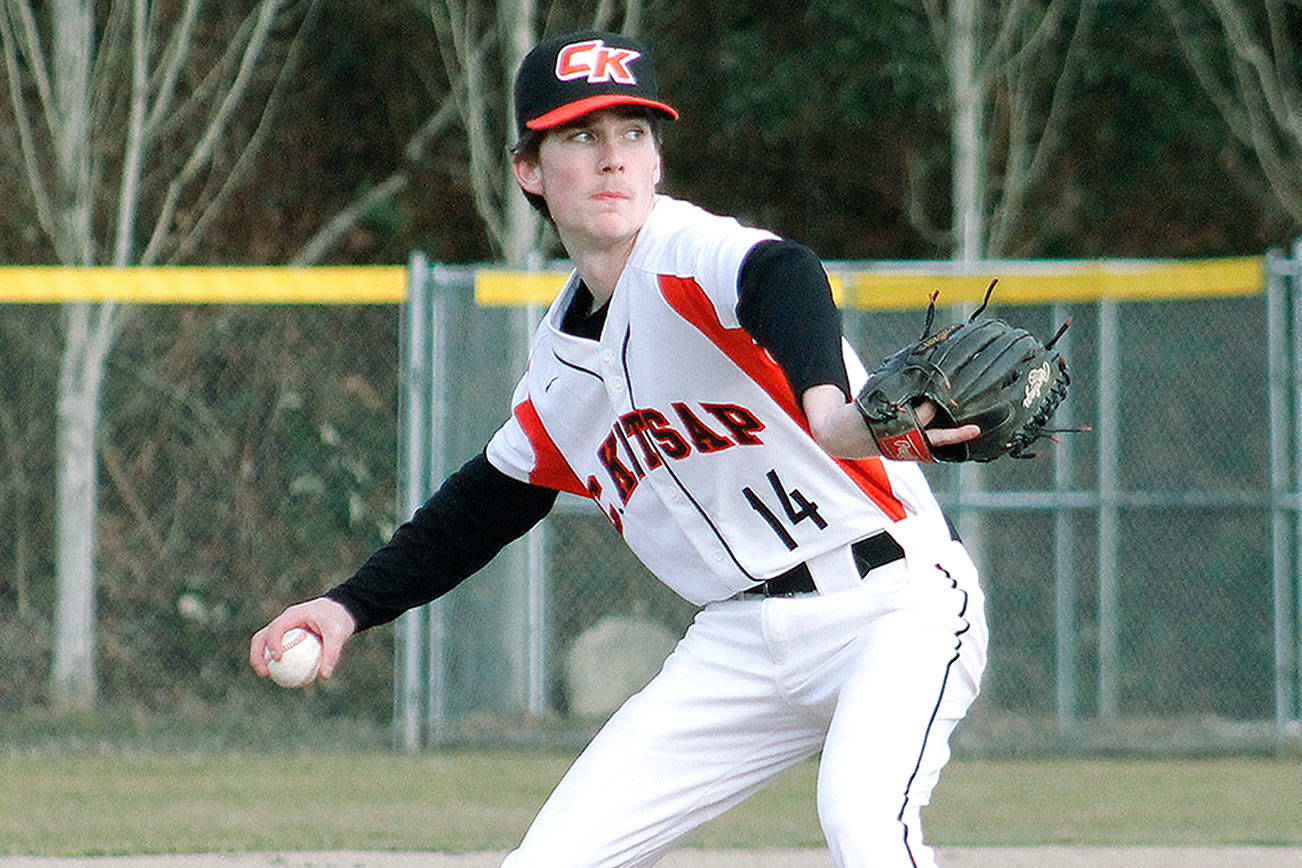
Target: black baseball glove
x,y
986,373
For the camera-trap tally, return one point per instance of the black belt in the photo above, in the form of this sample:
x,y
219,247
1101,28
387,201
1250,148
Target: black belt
x,y
869,553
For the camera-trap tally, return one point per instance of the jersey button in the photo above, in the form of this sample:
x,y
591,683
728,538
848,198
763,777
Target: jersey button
x,y
717,555
608,356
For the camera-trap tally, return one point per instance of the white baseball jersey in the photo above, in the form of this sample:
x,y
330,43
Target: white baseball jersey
x,y
685,431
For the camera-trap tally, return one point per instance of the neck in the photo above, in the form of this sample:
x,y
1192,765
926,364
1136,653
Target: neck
x,y
600,267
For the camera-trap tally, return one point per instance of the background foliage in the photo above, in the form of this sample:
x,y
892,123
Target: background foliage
x,y
247,457
807,118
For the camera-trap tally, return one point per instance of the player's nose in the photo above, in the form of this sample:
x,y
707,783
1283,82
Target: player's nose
x,y
611,159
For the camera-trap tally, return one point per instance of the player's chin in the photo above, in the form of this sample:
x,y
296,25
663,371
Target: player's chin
x,y
611,227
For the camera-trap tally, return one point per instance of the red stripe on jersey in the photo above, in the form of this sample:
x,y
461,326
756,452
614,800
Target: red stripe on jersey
x,y
550,470
689,300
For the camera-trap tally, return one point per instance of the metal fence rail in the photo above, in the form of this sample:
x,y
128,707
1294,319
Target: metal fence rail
x,y
1142,579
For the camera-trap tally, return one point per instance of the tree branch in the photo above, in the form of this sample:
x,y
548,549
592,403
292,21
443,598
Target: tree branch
x,y
1011,22
632,17
1253,102
134,152
212,209
1245,45
464,66
202,152
1288,73
1028,163
328,235
38,63
916,207
35,180
208,91
937,20
1219,93
175,57
1041,32
602,14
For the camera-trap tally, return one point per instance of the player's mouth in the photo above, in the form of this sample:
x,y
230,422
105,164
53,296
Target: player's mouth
x,y
610,195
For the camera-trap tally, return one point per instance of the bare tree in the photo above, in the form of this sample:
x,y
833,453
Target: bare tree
x,y
481,51
129,147
1011,70
1246,58
480,45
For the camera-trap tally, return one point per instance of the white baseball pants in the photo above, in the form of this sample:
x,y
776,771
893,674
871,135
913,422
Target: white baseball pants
x,y
876,677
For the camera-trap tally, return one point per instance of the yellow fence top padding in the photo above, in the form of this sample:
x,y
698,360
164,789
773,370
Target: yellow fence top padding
x,y
892,285
496,287
900,286
205,285
1068,281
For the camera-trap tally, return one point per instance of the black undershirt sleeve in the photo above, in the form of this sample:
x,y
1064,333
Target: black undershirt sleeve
x,y
472,517
785,303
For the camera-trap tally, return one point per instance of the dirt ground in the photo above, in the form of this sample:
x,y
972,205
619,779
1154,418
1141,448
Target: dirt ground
x,y
954,857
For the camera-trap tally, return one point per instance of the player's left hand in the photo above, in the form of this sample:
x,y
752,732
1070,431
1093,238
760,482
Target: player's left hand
x,y
926,413
981,371
839,429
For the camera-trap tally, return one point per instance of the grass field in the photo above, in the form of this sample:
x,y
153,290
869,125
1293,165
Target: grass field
x,y
87,804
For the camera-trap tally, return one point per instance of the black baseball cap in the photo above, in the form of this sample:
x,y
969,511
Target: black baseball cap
x,y
567,76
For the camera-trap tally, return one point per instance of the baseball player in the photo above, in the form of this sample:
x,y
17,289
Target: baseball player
x,y
692,381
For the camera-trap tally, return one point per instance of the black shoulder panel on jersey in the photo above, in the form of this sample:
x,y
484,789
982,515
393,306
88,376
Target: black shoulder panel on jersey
x,y
785,303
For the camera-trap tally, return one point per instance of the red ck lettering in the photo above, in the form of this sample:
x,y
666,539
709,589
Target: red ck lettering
x,y
593,60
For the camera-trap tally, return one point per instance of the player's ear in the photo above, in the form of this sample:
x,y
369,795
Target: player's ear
x,y
660,169
528,174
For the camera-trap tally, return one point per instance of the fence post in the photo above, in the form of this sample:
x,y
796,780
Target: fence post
x,y
1109,450
1293,282
1276,367
536,586
439,285
413,394
1064,555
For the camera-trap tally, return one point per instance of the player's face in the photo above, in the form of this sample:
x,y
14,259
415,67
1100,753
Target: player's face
x,y
598,174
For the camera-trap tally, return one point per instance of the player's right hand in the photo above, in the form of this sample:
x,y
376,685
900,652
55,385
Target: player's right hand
x,y
323,616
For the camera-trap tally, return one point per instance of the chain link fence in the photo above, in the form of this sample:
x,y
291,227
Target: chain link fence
x,y
245,462
1140,580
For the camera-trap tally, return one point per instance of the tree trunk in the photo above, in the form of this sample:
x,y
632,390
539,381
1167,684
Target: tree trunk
x,y
87,336
73,675
967,94
520,244
69,106
968,201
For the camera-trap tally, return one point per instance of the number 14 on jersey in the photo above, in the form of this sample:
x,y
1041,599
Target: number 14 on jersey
x,y
794,506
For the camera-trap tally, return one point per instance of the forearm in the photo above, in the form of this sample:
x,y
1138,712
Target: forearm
x,y
836,423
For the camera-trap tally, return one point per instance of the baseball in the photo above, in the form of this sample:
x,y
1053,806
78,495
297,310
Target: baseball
x,y
298,663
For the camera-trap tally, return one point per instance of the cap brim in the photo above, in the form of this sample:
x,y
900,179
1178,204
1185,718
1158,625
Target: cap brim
x,y
578,108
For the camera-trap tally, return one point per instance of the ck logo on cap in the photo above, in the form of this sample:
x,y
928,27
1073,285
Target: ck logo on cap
x,y
593,60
